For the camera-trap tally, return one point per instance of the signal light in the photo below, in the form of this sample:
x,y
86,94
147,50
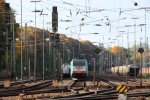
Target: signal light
x,y
55,19
57,37
10,36
97,50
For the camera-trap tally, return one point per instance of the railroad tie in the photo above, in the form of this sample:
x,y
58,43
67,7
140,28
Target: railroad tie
x,y
29,98
62,93
21,95
72,90
40,97
86,89
77,92
103,84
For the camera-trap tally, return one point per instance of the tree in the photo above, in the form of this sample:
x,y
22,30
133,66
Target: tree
x,y
116,50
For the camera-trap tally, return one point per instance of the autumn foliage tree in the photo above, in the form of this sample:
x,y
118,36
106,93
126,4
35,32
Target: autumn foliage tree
x,y
116,50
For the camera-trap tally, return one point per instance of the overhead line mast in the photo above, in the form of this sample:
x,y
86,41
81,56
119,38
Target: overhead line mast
x,y
21,45
43,45
35,40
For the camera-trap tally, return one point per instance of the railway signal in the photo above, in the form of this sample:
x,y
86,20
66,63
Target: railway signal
x,y
55,19
10,36
141,50
97,50
57,37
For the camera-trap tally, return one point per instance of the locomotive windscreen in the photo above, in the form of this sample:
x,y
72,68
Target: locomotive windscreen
x,y
79,63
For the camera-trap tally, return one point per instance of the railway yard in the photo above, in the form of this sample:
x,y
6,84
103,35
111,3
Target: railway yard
x,y
87,50
68,88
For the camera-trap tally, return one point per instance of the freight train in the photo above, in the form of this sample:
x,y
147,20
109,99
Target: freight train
x,y
79,68
145,70
129,70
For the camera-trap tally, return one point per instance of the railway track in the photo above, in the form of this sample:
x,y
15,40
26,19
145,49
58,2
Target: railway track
x,y
78,90
80,85
101,95
75,89
26,89
109,95
15,83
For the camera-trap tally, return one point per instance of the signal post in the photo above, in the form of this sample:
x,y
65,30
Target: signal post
x,y
55,39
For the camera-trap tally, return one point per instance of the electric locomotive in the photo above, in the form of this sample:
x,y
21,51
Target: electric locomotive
x,y
79,68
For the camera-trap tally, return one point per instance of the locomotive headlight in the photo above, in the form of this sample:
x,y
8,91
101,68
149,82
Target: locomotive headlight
x,y
83,70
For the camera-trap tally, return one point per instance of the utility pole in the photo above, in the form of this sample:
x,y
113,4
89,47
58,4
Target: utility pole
x,y
94,72
117,63
134,63
35,40
61,65
13,48
49,53
29,69
25,47
141,50
21,46
63,62
121,57
146,42
97,51
43,46
73,52
49,56
79,46
127,55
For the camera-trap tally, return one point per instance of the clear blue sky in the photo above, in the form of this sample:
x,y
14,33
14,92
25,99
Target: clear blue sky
x,y
85,16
